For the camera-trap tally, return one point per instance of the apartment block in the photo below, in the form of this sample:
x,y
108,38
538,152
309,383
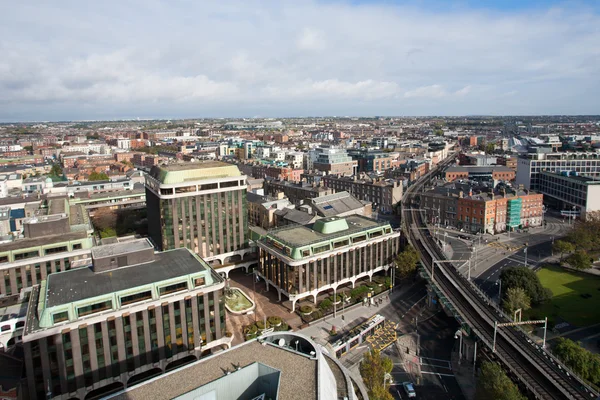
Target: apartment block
x,y
383,193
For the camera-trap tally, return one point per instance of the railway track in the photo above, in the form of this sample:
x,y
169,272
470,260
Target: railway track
x,y
543,375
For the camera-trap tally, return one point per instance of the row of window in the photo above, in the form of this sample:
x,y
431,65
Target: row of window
x,y
127,300
196,188
39,253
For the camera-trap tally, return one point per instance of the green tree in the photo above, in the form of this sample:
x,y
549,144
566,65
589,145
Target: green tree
x,y
406,261
373,368
493,383
583,362
56,170
516,298
98,176
490,148
562,247
584,235
580,260
526,279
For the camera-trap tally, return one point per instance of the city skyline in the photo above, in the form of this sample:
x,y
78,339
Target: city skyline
x,y
243,59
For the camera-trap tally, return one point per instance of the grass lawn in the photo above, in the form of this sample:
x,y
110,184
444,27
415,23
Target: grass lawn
x,y
567,302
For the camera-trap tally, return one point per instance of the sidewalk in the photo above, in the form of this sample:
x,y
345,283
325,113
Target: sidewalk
x,y
350,318
463,373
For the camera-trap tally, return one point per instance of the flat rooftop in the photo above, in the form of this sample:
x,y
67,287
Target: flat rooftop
x,y
302,235
479,169
119,248
576,178
299,374
42,241
193,171
82,283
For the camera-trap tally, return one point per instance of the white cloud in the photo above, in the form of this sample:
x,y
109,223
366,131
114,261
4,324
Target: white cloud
x,y
255,57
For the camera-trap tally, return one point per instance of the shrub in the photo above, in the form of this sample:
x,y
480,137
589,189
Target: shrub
x,y
306,309
251,329
282,328
335,299
274,321
325,304
261,325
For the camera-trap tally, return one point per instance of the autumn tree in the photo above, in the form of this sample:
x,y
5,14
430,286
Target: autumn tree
x,y
406,261
562,247
516,298
373,368
493,383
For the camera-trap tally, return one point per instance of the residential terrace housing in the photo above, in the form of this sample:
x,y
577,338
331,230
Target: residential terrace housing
x,y
130,315
479,209
297,193
495,173
304,260
383,193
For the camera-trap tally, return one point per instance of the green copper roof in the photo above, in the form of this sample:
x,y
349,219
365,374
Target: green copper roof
x,y
330,225
193,171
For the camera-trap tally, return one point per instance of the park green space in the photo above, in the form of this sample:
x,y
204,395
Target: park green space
x,y
575,297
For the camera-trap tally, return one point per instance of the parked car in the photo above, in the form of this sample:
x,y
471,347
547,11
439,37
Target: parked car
x,y
409,389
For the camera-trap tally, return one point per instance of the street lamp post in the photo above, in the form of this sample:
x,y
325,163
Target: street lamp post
x,y
499,283
459,335
525,251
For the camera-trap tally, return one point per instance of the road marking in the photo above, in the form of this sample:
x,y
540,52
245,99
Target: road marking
x,y
437,373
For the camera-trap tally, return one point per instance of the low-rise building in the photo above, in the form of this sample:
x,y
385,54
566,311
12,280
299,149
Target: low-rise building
x,y
491,173
304,260
568,191
297,193
384,194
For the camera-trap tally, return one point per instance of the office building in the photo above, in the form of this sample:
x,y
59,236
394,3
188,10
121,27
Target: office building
x,y
304,260
132,314
371,160
331,160
530,166
201,206
278,365
570,192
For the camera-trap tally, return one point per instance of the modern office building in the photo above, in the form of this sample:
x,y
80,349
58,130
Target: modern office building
x,y
570,192
278,365
131,315
530,167
331,160
303,260
371,160
383,193
201,206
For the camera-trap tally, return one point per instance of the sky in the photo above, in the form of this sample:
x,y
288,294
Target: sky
x,y
80,60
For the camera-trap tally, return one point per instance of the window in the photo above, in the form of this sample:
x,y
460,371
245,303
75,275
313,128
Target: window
x,y
23,256
229,184
166,191
359,238
341,243
77,246
185,189
375,234
3,259
60,317
176,287
94,308
54,250
209,186
321,249
134,298
306,253
5,328
199,281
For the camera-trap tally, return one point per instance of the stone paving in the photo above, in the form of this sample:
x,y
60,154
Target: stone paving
x,y
267,305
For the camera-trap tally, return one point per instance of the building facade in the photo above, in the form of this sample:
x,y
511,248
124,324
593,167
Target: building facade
x,y
568,191
132,315
383,193
331,160
201,206
530,167
495,173
302,261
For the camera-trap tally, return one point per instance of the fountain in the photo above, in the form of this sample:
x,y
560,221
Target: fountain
x,y
236,301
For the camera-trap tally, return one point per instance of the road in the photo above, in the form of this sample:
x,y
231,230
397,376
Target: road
x,y
437,342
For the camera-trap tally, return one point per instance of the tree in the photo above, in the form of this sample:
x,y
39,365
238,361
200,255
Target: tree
x,y
516,298
406,261
489,148
56,170
562,247
583,362
584,235
373,368
526,279
580,260
95,176
493,383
